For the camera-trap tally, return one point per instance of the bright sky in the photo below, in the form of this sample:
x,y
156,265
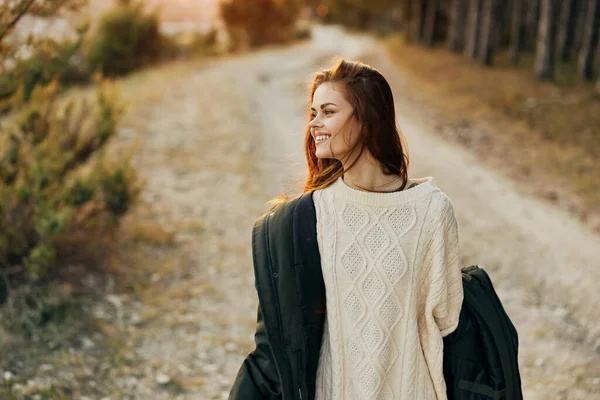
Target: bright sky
x,y
201,12
173,10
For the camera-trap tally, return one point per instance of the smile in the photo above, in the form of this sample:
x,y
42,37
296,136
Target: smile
x,y
321,138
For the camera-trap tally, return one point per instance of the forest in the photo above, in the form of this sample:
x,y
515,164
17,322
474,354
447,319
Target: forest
x,y
556,32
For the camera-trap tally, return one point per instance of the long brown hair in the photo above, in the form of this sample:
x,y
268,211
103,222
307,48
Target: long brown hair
x,y
373,103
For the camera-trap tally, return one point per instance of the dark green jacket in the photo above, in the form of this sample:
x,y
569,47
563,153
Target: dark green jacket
x,y
291,295
480,356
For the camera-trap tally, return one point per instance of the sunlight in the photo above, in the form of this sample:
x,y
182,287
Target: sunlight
x,y
172,10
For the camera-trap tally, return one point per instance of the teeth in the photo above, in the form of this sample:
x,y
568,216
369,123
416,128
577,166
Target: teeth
x,y
321,137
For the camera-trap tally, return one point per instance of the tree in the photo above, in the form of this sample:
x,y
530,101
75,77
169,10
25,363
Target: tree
x,y
589,40
517,32
489,15
367,10
430,21
47,57
417,20
532,16
473,27
456,33
566,29
581,9
505,12
546,44
12,12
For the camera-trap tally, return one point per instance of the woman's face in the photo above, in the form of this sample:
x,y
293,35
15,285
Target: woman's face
x,y
332,117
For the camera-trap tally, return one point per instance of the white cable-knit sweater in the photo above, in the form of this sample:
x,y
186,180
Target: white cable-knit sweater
x,y
394,288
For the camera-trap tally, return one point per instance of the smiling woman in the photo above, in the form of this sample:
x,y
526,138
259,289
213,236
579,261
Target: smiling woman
x,y
382,247
353,105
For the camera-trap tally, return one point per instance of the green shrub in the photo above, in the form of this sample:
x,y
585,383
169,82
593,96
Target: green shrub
x,y
49,62
126,39
117,197
56,187
35,306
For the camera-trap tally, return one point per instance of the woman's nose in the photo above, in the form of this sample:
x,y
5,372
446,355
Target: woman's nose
x,y
314,122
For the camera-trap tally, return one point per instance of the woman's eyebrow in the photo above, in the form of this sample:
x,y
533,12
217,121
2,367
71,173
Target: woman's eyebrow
x,y
323,106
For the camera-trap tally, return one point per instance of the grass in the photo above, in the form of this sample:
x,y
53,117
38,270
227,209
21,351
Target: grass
x,y
552,128
152,232
54,329
49,361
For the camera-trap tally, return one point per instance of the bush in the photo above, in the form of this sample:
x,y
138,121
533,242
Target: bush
x,y
57,191
35,307
253,23
126,39
52,61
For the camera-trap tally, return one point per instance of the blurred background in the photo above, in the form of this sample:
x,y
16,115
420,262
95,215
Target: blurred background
x,y
140,140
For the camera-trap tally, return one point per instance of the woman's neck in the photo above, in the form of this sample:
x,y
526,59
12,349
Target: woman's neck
x,y
367,175
372,181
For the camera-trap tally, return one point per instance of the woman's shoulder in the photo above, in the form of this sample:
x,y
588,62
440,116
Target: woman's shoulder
x,y
441,210
442,199
438,202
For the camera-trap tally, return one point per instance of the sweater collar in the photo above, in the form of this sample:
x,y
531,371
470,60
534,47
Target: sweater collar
x,y
426,185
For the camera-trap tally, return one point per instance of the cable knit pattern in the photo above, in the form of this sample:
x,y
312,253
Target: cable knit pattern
x,y
394,288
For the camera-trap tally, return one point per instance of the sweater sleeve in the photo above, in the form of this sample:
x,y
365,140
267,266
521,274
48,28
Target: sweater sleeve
x,y
444,295
446,290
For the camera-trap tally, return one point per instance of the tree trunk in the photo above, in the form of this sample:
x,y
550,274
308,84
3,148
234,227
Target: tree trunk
x,y
566,25
405,7
472,31
546,44
582,6
489,15
417,22
363,19
517,30
456,33
598,55
505,8
430,18
531,23
589,40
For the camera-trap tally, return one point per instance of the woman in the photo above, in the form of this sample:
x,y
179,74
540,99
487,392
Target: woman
x,y
389,256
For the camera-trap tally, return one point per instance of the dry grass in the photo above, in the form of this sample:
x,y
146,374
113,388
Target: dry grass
x,y
153,233
547,128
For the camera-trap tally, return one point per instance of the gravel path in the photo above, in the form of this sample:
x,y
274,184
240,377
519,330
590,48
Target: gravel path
x,y
221,141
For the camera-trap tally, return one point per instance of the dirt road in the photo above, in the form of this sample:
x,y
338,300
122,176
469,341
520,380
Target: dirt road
x,y
221,141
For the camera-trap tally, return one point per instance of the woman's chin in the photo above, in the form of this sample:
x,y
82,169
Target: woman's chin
x,y
323,151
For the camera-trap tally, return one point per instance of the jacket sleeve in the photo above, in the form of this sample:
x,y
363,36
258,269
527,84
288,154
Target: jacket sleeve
x,y
257,378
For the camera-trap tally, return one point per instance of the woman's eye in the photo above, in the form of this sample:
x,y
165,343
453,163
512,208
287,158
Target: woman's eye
x,y
327,112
